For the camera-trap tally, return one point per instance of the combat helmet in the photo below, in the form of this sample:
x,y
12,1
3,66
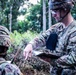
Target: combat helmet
x,y
61,4
65,5
4,37
4,41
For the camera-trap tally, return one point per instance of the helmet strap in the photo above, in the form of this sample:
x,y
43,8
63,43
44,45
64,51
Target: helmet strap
x,y
62,17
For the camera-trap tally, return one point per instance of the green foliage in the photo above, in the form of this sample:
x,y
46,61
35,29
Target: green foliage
x,y
20,40
74,12
21,26
5,11
17,37
32,19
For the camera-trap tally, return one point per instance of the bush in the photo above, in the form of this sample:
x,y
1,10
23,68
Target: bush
x,y
19,40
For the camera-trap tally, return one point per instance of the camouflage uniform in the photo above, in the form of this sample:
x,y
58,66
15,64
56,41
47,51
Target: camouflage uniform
x,y
66,46
5,67
8,68
4,37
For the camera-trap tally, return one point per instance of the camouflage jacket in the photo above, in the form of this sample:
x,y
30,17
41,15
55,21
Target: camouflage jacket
x,y
66,46
8,68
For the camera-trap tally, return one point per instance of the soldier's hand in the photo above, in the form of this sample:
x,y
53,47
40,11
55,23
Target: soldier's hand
x,y
28,51
61,62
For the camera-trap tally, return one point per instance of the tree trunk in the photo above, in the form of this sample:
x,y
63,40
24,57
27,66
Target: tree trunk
x,y
44,15
49,17
10,19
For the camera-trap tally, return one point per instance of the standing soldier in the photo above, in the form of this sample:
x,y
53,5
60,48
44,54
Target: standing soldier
x,y
5,67
66,45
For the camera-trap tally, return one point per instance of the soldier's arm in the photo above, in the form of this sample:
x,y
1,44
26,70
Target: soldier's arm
x,y
70,58
41,39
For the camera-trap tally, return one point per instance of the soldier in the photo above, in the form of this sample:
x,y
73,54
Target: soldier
x,y
5,67
66,30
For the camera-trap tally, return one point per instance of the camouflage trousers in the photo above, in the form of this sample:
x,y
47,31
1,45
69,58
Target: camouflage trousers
x,y
60,71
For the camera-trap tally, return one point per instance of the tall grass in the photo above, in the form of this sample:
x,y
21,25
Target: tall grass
x,y
17,37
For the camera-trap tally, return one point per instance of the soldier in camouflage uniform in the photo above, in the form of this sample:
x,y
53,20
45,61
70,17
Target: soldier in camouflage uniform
x,y
5,67
66,45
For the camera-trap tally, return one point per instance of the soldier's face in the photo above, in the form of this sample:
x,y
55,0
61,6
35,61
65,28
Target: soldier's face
x,y
57,14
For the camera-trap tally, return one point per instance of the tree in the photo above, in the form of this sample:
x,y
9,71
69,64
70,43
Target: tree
x,y
33,18
5,11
